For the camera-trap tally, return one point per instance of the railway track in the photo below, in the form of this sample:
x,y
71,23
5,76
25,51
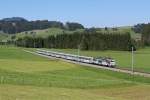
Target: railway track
x,y
95,66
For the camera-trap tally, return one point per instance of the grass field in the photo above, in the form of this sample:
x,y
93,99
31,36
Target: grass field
x,y
4,37
24,76
123,58
46,32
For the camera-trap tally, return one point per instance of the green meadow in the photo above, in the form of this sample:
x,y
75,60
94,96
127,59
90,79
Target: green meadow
x,y
24,76
123,58
46,32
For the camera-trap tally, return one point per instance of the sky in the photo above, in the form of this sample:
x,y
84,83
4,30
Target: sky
x,y
90,13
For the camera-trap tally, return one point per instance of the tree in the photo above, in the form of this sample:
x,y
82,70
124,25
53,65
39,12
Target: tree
x,y
73,26
106,28
146,34
87,41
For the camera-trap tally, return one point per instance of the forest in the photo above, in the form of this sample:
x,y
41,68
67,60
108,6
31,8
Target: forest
x,y
84,41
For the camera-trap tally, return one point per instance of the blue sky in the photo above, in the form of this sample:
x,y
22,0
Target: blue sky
x,y
91,13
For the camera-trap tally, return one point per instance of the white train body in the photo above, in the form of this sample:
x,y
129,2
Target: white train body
x,y
84,59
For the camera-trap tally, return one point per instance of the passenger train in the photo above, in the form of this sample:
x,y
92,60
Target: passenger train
x,y
108,62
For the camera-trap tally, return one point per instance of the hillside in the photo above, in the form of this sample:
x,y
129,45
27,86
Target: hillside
x,y
37,33
46,32
122,29
55,31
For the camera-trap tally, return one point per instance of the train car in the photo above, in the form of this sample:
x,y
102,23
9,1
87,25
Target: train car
x,y
85,59
97,61
104,63
62,55
40,51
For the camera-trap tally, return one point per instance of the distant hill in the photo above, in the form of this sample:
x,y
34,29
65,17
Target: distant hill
x,y
14,19
17,24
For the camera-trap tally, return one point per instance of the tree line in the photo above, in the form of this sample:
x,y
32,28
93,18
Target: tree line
x,y
143,29
84,41
16,25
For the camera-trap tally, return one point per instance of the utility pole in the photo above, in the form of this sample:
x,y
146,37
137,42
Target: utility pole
x,y
34,39
132,60
79,46
78,52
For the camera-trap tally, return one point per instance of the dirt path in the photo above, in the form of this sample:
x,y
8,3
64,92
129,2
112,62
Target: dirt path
x,y
95,66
